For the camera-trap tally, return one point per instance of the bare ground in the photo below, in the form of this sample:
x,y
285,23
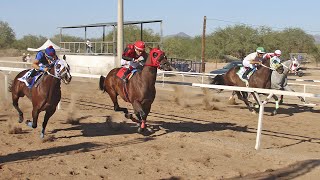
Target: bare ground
x,y
194,134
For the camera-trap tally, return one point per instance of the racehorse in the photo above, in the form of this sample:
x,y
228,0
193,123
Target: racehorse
x,y
280,81
261,78
44,95
139,90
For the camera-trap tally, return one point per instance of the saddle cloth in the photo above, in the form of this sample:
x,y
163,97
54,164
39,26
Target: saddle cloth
x,y
121,72
241,72
34,79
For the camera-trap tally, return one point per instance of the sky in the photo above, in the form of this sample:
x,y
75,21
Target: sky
x,y
44,17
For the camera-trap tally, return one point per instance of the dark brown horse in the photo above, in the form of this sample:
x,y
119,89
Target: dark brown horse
x,y
261,78
140,90
44,95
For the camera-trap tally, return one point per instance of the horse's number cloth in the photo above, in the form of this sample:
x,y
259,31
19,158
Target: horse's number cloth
x,y
121,72
25,77
242,70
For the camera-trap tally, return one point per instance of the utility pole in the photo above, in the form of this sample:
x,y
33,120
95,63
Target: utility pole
x,y
120,34
203,68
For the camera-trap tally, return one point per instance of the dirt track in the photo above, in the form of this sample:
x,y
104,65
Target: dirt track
x,y
196,135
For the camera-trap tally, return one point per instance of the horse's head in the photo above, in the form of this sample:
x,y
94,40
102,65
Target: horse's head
x,y
62,70
276,65
159,59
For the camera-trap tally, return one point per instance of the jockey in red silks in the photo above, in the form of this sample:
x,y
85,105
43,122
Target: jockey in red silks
x,y
271,55
133,56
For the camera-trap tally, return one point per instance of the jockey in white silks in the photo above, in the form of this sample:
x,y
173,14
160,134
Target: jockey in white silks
x,y
252,60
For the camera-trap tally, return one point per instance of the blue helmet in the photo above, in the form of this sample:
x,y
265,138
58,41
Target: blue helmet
x,y
50,52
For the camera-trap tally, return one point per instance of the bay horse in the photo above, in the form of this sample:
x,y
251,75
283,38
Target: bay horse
x,y
44,95
140,90
261,78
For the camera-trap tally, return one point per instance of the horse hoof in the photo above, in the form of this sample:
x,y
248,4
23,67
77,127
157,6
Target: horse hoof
x,y
141,130
274,113
254,112
29,123
41,135
20,120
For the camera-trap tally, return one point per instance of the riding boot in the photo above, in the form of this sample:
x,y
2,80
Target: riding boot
x,y
125,74
245,74
32,74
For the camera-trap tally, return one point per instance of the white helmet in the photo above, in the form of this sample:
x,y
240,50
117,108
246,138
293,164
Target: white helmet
x,y
277,53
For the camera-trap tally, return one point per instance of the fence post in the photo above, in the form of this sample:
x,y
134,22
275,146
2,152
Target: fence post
x,y
5,85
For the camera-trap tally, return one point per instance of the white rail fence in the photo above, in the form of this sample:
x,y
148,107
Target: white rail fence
x,y
256,91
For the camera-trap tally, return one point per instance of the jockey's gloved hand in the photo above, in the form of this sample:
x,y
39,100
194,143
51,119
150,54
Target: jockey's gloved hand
x,y
51,65
140,59
43,68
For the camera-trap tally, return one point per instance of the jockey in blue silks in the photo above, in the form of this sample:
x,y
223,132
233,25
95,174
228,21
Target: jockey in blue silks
x,y
42,61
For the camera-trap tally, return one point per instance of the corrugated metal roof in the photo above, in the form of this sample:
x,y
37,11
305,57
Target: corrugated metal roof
x,y
110,24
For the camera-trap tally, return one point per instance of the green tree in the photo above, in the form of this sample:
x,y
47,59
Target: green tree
x,y
7,35
236,40
29,41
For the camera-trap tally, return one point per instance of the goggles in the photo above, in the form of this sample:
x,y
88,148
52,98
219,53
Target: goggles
x,y
49,57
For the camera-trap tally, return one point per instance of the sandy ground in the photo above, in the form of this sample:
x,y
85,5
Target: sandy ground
x,y
194,134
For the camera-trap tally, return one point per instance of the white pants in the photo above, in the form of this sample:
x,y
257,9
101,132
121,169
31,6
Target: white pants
x,y
247,64
127,64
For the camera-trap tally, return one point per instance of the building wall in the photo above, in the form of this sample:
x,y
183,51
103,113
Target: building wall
x,y
87,64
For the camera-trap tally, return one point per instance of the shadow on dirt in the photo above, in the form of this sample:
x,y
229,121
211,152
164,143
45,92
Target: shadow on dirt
x,y
292,171
50,152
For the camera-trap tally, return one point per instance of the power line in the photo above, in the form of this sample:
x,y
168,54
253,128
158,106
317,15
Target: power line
x,y
235,22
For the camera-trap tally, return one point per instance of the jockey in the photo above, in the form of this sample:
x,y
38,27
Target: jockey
x,y
274,57
133,55
42,61
252,60
276,53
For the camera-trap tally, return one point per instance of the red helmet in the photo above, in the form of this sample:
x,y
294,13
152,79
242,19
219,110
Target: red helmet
x,y
140,45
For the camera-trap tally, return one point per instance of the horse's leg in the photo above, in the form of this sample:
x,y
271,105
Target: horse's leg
x,y
139,110
255,98
277,104
114,97
232,95
15,103
35,115
245,101
281,99
48,114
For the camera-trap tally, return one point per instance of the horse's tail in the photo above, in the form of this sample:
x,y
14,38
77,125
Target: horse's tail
x,y
217,80
10,86
101,83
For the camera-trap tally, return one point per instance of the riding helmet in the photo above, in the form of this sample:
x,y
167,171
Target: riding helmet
x,y
140,45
